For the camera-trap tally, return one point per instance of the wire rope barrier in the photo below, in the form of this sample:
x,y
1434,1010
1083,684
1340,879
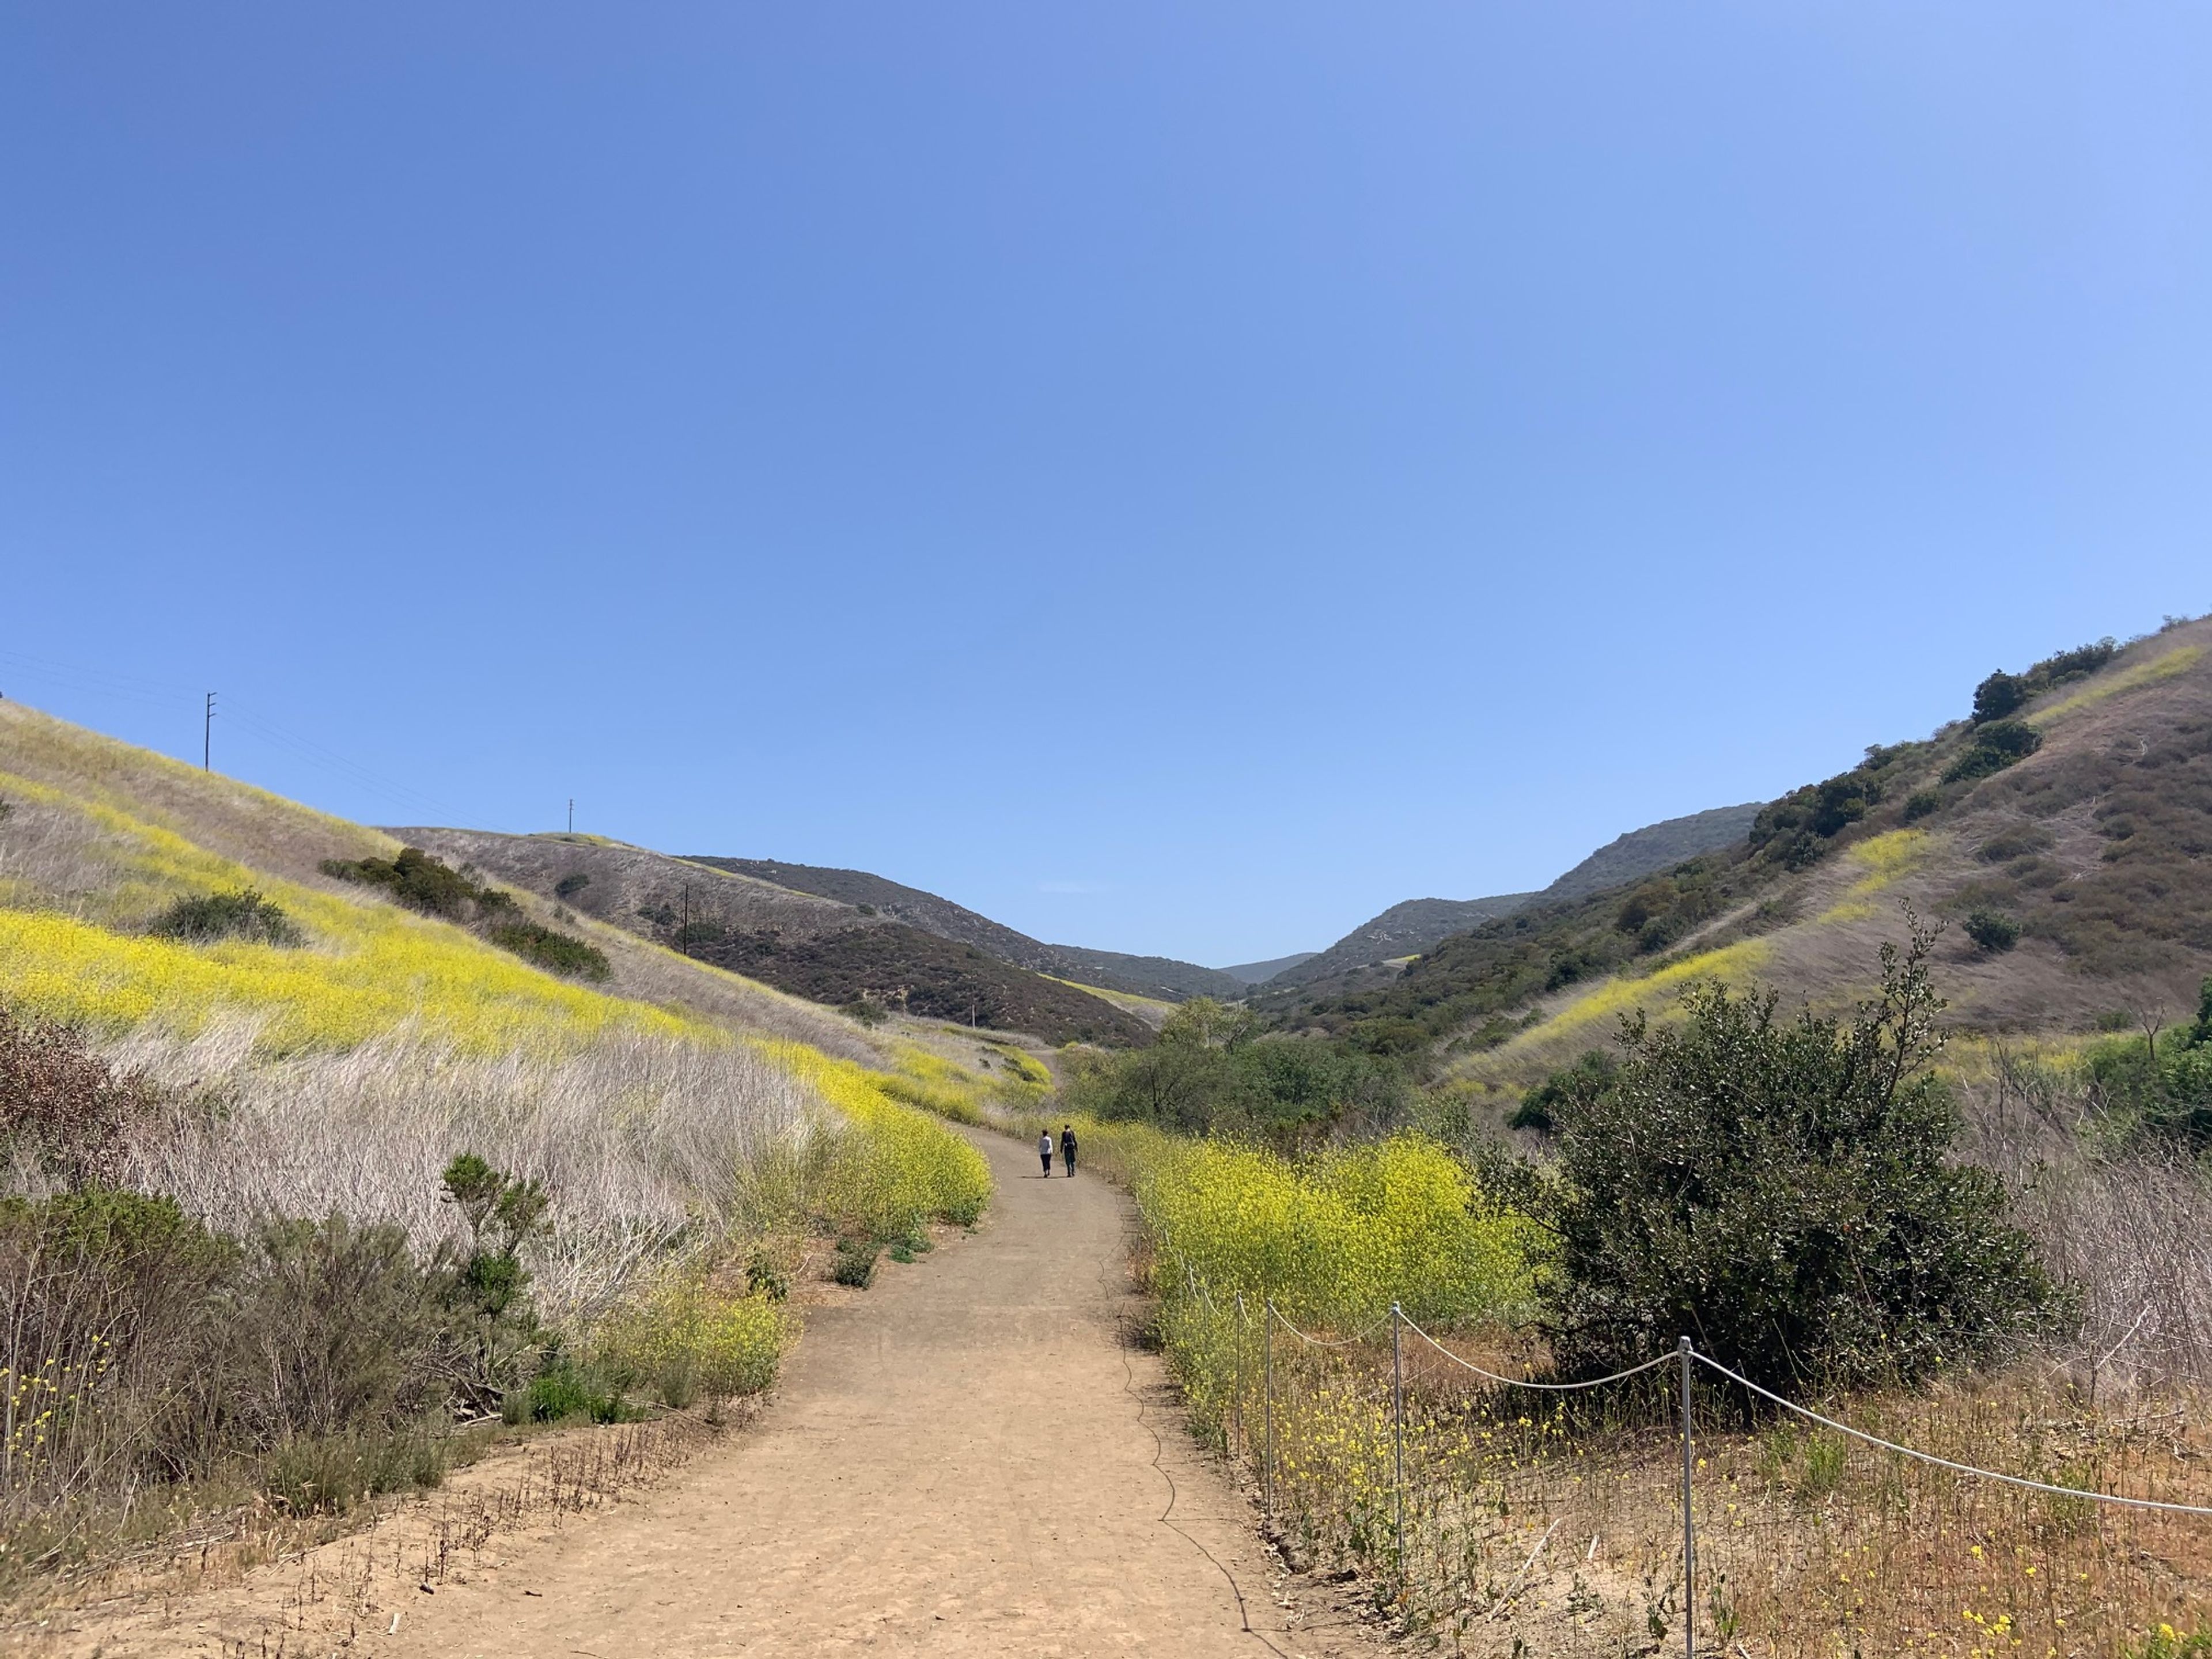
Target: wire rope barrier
x,y
1686,1356
2083,1493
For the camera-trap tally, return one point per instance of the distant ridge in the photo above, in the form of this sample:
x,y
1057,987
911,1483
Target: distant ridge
x,y
1259,973
1112,970
1403,930
1419,925
1655,848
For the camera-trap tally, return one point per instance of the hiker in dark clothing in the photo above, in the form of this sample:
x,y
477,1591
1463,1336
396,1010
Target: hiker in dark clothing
x,y
1045,1151
1068,1148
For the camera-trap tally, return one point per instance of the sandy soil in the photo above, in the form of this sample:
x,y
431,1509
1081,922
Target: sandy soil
x,y
971,1459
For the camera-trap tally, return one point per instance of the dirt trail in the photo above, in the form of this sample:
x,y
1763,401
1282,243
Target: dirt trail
x,y
968,1459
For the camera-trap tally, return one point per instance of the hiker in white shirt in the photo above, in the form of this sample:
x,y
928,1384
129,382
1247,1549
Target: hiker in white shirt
x,y
1044,1152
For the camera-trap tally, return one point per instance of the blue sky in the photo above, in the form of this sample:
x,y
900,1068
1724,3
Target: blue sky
x,y
1176,477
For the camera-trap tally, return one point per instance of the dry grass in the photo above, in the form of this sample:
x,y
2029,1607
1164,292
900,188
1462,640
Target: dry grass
x,y
1534,1526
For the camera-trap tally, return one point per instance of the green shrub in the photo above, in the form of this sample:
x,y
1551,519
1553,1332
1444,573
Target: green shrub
x,y
1995,748
1783,1192
212,917
1594,1071
1993,931
497,1337
2000,694
562,1394
856,1263
334,1326
556,952
417,881
571,885
1921,803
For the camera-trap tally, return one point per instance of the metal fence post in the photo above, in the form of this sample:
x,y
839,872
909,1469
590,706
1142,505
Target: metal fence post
x,y
1240,1445
1267,1405
1689,1534
1398,1425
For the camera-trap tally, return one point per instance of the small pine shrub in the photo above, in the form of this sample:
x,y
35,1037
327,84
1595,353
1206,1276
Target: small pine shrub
x,y
1920,803
571,885
213,917
1993,931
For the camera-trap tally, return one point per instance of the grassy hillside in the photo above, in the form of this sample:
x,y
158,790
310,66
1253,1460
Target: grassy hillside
x,y
838,950
279,1098
1157,977
1371,954
1656,847
2070,831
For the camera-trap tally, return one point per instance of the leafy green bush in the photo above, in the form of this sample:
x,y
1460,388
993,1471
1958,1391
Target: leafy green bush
x,y
2002,695
1993,931
856,1263
1594,1071
1995,748
556,952
2161,1088
1782,1194
571,885
417,881
1921,803
212,917
1209,1071
561,1393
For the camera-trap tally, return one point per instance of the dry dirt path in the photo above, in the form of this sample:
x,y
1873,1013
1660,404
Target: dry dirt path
x,y
970,1460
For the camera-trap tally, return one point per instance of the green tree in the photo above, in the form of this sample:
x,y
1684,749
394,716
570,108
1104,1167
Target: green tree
x,y
1781,1192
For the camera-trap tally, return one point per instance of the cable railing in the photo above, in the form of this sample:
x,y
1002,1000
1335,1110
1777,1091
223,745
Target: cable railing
x,y
1686,1359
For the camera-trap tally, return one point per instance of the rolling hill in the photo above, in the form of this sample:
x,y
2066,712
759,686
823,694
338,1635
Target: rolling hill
x,y
2063,835
823,946
1418,925
1162,977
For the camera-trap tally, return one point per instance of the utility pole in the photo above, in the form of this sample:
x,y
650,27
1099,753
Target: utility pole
x,y
684,935
207,736
572,815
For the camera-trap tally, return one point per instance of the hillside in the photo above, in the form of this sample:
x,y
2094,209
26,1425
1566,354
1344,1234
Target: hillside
x,y
1259,973
100,837
1148,977
1656,847
1419,925
2069,824
1403,930
820,946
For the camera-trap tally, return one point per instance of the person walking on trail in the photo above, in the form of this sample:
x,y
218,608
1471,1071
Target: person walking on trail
x,y
1068,1148
1044,1152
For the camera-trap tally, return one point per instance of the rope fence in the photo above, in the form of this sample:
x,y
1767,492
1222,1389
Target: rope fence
x,y
1367,1465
